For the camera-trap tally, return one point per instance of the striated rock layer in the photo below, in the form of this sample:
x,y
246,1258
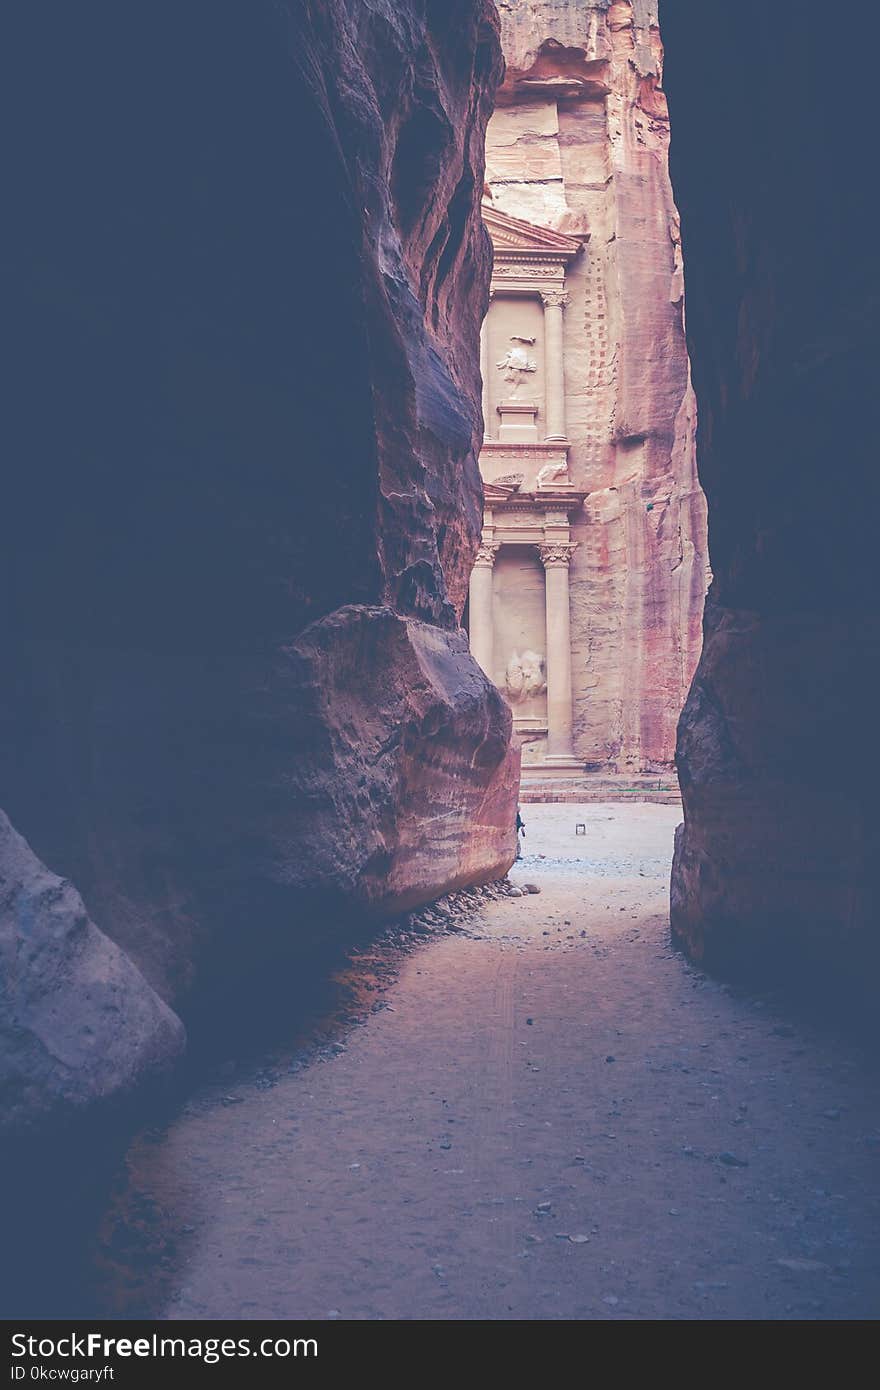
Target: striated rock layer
x,y
775,868
237,707
579,143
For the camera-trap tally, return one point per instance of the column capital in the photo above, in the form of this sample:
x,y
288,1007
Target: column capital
x,y
554,298
486,552
558,554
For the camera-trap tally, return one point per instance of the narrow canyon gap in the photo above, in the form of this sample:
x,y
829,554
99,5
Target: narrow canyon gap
x,y
589,458
238,715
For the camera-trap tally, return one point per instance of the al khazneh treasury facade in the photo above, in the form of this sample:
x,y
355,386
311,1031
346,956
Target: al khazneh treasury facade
x,y
586,597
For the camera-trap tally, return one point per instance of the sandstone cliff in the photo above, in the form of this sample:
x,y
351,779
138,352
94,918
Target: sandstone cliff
x,y
237,708
579,143
775,869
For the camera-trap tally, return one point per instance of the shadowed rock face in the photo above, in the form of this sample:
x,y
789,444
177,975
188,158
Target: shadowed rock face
x,y
78,1021
775,869
245,498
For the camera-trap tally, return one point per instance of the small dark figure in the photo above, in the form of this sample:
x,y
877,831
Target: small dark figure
x,y
520,830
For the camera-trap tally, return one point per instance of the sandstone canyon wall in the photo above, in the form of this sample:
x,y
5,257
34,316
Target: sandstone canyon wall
x,y
579,144
237,708
773,159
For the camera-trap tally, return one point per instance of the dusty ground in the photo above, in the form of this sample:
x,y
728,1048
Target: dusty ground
x,y
552,1116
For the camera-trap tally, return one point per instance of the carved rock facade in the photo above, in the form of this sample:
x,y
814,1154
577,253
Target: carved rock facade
x,y
588,270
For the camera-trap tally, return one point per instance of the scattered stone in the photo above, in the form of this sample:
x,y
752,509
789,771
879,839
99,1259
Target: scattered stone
x,y
530,1021
531,888
609,1058
731,1161
543,1207
579,1240
515,893
830,1114
611,1299
232,1100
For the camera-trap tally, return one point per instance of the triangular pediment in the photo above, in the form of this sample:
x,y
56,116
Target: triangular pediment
x,y
513,237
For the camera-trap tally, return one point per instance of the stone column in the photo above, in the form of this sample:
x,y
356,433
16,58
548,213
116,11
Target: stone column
x,y
555,559
482,629
484,372
554,362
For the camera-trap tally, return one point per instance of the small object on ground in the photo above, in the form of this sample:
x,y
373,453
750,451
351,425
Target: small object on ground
x,y
562,1235
543,1206
803,1266
530,1021
609,1058
580,828
611,1299
731,1161
830,1114
531,888
232,1100
579,1240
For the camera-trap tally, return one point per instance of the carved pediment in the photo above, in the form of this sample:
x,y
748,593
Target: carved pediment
x,y
517,240
501,488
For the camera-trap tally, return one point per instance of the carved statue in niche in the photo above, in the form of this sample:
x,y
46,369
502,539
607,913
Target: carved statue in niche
x,y
524,676
516,363
553,473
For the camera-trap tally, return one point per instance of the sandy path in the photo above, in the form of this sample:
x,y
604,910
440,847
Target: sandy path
x,y
439,1166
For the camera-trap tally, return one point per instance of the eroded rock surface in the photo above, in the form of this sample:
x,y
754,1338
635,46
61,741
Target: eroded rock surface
x,y
79,1024
252,271
775,870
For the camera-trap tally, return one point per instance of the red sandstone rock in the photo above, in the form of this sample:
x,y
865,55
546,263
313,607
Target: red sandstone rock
x,y
775,875
246,497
